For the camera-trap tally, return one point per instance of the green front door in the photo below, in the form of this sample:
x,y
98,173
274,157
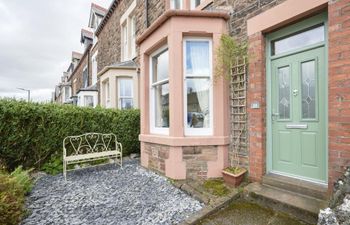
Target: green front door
x,y
298,108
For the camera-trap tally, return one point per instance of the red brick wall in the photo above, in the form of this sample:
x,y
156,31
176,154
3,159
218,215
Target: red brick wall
x,y
339,87
256,117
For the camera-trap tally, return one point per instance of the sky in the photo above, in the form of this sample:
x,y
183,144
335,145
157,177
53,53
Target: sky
x,y
37,38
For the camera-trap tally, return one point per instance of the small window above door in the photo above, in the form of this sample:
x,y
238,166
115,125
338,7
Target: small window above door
x,y
298,40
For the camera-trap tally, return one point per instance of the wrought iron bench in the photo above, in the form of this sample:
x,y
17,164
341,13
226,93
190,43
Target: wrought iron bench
x,y
90,147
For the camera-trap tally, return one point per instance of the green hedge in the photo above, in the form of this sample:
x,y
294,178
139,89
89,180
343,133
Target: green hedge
x,y
31,134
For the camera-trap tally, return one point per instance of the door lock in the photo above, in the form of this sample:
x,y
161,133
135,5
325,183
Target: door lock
x,y
295,92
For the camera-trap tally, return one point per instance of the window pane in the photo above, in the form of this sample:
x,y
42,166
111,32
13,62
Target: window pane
x,y
176,4
88,101
308,91
160,66
126,103
125,88
197,58
198,113
85,78
284,92
161,105
299,40
195,3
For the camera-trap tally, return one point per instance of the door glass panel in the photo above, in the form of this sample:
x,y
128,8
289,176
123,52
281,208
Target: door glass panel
x,y
284,92
308,91
299,40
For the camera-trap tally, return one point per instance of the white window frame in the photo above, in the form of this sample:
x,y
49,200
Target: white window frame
x,y
198,131
172,4
87,77
94,68
107,94
120,97
124,39
127,38
153,128
133,36
93,103
65,93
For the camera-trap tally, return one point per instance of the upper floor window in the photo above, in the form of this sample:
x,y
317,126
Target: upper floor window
x,y
195,3
128,33
198,86
67,93
85,77
94,68
176,4
125,88
159,77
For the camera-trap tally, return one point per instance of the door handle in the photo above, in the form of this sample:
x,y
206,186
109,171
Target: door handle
x,y
295,92
274,115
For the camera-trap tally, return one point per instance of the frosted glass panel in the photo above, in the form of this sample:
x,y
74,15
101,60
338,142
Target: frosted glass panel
x,y
284,92
308,90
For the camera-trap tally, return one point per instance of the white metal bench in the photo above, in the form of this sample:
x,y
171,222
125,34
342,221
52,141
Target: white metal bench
x,y
90,147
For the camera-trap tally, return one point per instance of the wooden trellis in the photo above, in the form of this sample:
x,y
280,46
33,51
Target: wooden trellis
x,y
238,153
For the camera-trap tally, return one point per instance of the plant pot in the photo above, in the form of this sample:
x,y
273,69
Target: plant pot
x,y
233,180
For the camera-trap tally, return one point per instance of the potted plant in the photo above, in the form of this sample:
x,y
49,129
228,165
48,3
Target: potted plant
x,y
229,55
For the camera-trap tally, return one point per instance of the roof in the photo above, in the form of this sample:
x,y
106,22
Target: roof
x,y
86,34
76,55
90,88
111,9
98,9
128,65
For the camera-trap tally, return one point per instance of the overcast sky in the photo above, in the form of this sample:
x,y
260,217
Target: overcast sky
x,y
36,41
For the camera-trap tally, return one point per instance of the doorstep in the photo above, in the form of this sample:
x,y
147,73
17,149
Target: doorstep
x,y
300,206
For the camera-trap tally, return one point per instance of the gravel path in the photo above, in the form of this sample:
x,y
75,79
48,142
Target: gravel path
x,y
108,195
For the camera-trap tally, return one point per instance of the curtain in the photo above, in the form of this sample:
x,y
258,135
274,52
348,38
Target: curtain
x,y
198,64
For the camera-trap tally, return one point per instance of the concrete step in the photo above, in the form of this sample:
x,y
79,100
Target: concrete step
x,y
296,185
303,207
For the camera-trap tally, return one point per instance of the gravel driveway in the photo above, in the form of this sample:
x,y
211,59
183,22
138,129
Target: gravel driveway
x,y
108,195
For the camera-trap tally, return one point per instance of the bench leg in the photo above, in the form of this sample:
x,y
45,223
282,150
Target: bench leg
x,y
65,170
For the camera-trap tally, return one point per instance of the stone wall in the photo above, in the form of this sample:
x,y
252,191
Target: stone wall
x,y
157,154
195,157
241,11
109,39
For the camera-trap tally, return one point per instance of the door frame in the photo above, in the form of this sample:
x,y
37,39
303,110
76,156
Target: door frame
x,y
283,32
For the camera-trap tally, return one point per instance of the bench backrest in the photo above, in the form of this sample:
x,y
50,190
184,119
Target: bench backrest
x,y
89,143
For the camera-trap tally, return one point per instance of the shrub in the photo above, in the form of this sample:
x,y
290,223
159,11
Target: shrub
x,y
13,188
31,134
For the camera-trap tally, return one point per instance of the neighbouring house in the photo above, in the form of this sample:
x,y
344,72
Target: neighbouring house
x,y
63,91
82,75
118,75
298,102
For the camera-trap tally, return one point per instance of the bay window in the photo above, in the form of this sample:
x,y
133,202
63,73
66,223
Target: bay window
x,y
159,77
107,94
125,88
198,86
88,101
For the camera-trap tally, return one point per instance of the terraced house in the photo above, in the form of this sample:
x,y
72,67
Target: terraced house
x,y
293,124
81,77
288,114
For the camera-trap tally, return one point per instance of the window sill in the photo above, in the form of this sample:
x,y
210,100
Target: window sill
x,y
184,141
